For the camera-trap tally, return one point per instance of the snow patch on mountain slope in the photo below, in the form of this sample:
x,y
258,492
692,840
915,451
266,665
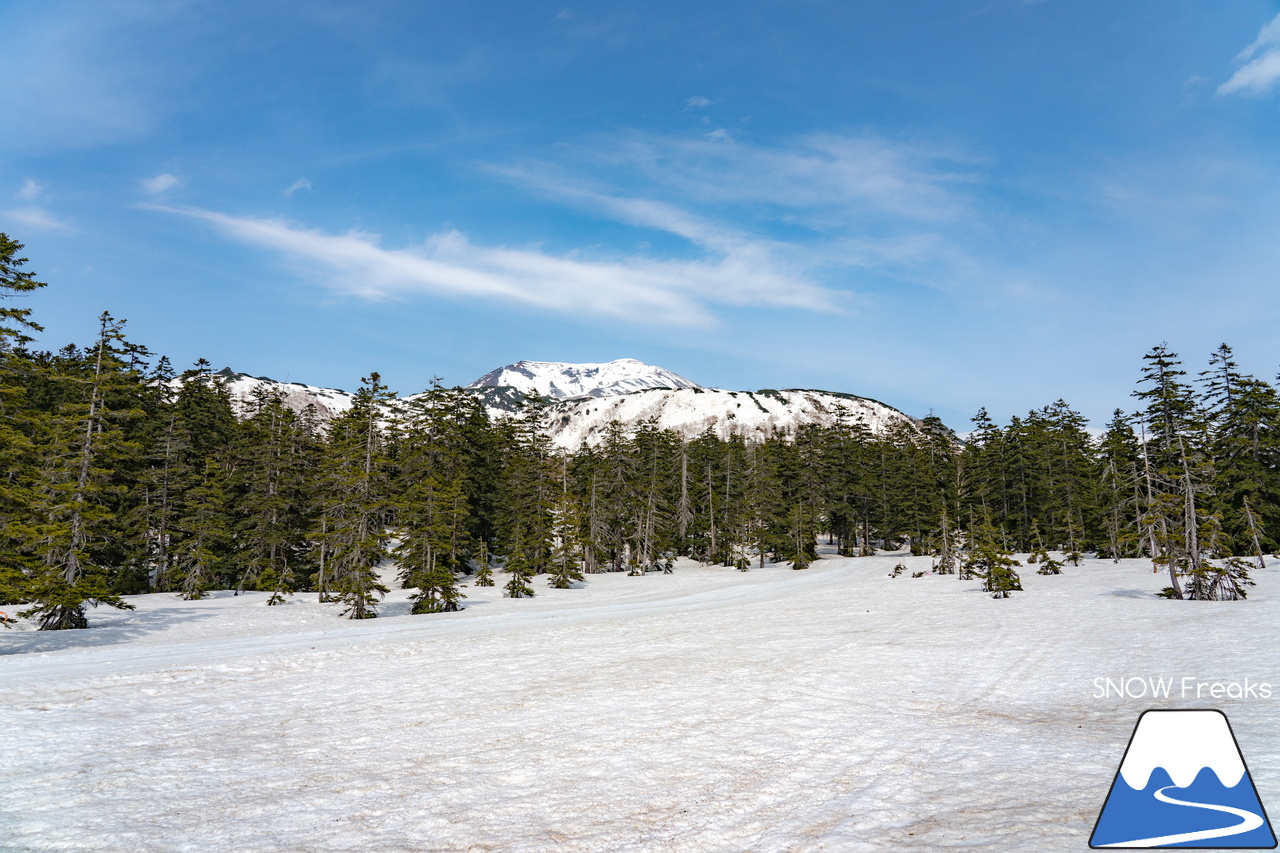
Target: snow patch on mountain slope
x,y
561,381
580,421
691,411
329,402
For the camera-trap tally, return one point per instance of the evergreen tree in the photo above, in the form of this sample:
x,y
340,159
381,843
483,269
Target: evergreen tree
x,y
434,512
987,559
1040,554
14,281
1073,555
528,493
354,502
275,454
1173,419
484,572
18,453
77,493
202,555
1243,432
947,548
519,570
437,511
566,564
1119,494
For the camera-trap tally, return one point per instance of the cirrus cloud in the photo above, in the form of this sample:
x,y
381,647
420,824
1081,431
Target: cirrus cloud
x,y
1261,70
161,183
448,264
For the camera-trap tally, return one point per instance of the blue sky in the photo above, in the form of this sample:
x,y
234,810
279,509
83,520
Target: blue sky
x,y
942,205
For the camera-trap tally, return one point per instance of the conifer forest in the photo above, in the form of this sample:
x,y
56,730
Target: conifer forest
x,y
120,478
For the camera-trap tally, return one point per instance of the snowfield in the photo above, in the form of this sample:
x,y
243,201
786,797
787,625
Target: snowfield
x,y
755,415
709,710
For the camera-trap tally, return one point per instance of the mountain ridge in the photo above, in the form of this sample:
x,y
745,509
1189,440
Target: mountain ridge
x,y
557,380
573,422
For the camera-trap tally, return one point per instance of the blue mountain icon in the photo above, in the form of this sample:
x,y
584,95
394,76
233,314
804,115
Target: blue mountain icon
x,y
1183,783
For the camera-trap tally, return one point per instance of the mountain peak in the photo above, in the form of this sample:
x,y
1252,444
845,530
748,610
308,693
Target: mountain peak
x,y
562,381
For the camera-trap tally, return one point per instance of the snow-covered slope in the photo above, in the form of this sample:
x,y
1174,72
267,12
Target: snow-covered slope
x,y
706,711
582,419
329,402
560,381
691,411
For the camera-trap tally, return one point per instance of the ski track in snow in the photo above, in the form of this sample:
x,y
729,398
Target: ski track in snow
x,y
709,710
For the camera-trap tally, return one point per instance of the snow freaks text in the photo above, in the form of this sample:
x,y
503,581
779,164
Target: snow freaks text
x,y
1184,687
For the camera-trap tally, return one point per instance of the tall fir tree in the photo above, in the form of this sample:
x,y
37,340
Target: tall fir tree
x,y
77,492
355,505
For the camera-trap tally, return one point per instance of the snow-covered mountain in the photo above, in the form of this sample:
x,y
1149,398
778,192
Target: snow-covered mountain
x,y
691,411
329,402
581,418
559,381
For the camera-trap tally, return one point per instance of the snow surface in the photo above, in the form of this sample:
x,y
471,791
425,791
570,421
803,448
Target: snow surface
x,y
709,710
1183,743
561,381
329,402
626,391
754,415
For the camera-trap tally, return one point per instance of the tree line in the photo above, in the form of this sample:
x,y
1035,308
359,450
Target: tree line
x,y
124,476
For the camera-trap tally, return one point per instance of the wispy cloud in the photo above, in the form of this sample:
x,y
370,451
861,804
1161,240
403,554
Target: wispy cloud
x,y
161,183
831,181
32,214
300,184
698,101
828,204
448,264
35,217
30,190
641,212
1261,70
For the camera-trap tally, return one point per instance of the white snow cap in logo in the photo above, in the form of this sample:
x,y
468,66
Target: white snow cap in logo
x,y
1183,743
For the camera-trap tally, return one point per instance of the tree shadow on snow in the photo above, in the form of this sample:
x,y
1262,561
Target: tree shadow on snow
x,y
111,628
1131,593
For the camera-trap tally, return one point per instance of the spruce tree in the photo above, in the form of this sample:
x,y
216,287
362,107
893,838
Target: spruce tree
x,y
528,492
354,503
76,493
1040,554
1119,486
14,281
988,559
1073,555
202,555
566,563
945,552
519,570
435,511
273,506
1173,419
19,455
